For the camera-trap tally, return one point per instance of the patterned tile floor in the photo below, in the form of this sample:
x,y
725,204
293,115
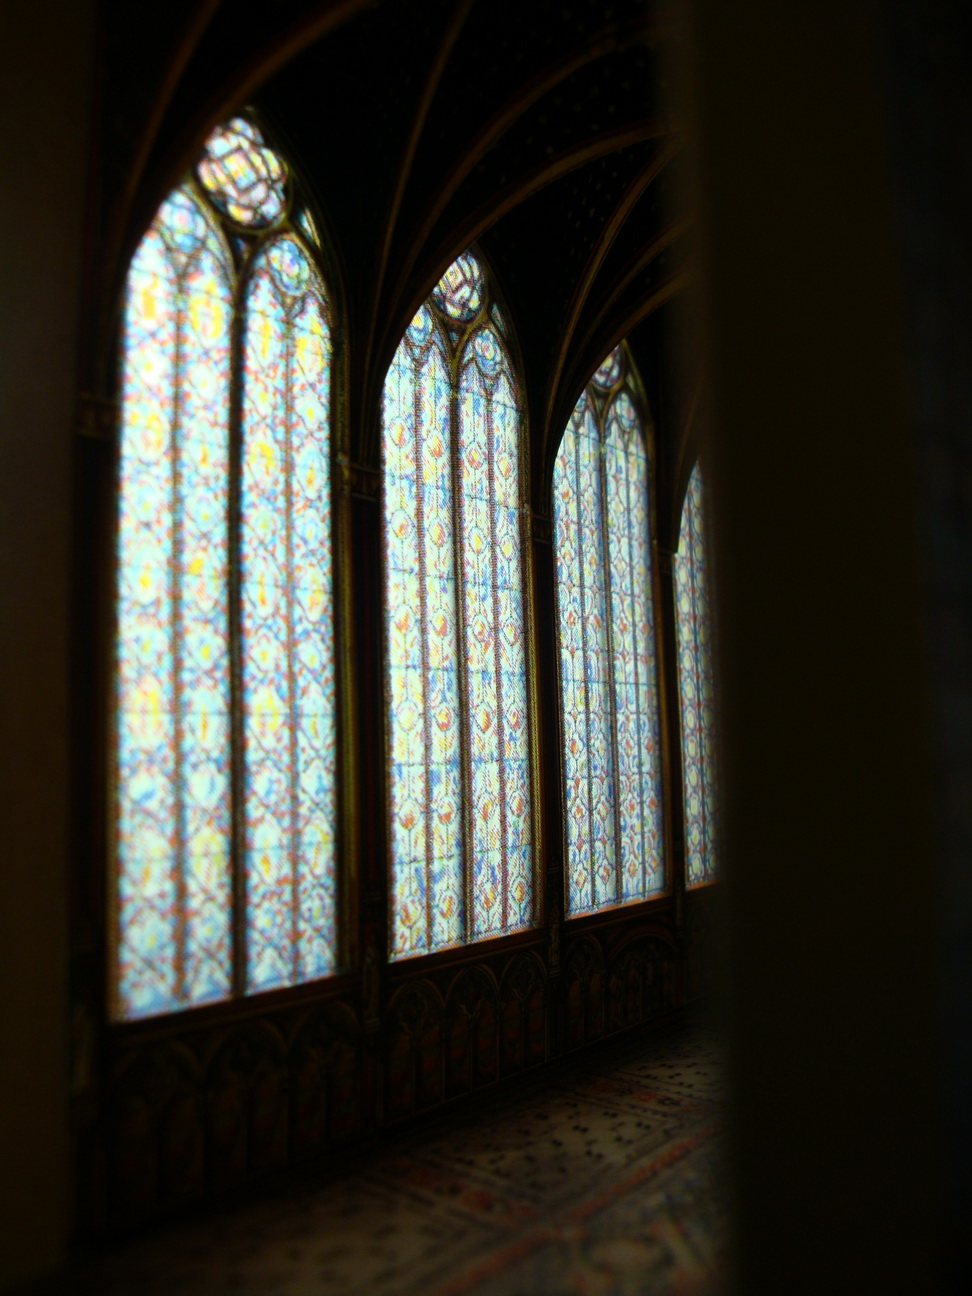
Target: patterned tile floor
x,y
600,1177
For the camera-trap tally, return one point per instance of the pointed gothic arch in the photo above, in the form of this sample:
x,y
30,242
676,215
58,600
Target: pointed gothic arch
x,y
606,618
225,788
461,763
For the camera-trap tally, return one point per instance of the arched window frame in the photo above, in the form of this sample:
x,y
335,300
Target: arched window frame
x,y
454,339
302,220
600,400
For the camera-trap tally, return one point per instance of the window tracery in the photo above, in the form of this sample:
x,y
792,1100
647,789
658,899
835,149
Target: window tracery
x,y
225,772
604,572
460,748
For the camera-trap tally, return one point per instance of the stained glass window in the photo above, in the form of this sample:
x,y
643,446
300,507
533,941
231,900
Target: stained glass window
x,y
225,702
460,748
604,567
695,686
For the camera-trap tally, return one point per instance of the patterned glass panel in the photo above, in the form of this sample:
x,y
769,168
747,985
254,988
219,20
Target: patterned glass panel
x,y
421,608
695,684
173,773
489,505
288,658
609,691
633,643
462,837
244,178
609,370
582,596
459,293
192,352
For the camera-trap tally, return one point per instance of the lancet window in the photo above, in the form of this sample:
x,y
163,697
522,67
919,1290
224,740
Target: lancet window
x,y
695,686
606,623
225,721
460,758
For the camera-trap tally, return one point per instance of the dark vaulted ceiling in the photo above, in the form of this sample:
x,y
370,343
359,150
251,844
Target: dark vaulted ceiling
x,y
540,130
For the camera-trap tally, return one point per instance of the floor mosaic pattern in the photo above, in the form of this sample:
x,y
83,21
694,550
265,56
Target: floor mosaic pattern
x,y
598,1177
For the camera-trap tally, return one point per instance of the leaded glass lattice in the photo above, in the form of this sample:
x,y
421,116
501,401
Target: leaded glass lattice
x,y
695,687
202,494
287,634
460,754
244,179
609,695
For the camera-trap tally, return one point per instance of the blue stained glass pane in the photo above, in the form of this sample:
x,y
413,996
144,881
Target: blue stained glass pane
x,y
288,649
459,293
245,179
494,639
420,594
585,681
173,771
633,642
